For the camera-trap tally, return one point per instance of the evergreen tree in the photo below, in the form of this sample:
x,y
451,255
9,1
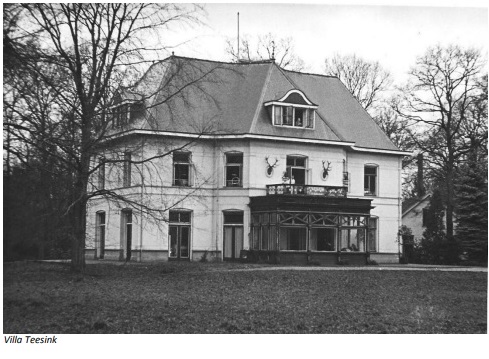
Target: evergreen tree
x,y
471,230
434,247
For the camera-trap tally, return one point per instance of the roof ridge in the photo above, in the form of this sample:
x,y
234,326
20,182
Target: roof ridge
x,y
260,101
258,62
310,73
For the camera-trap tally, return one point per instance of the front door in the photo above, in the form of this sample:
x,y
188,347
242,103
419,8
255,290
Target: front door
x,y
179,242
126,234
233,242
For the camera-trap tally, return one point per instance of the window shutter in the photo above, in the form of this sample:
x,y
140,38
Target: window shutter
x,y
191,176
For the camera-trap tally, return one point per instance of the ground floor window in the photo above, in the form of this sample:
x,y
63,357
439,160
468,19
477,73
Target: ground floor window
x,y
126,233
100,233
372,234
233,234
292,238
179,233
318,232
323,239
352,240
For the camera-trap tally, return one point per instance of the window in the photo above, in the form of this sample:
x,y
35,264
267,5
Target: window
x,y
121,116
179,216
293,116
293,239
287,116
425,216
296,169
352,240
234,169
100,233
126,176
233,234
181,169
126,233
370,180
179,232
323,239
372,235
101,174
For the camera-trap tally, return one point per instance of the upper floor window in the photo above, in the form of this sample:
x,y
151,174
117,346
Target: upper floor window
x,y
181,168
293,116
296,171
294,110
121,114
126,174
101,173
234,169
370,180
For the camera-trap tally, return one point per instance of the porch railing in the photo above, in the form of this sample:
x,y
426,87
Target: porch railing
x,y
306,190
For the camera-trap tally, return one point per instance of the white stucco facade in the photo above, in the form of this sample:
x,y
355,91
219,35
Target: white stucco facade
x,y
208,197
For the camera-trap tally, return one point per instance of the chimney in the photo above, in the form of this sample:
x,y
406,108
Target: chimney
x,y
420,180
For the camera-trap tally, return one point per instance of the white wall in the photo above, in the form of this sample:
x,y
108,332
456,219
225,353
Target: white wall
x,y
209,197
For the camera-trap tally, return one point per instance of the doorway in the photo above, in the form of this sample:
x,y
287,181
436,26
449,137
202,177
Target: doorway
x,y
126,234
179,233
100,234
233,235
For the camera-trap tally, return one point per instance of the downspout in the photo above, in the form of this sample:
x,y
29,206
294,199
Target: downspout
x,y
399,206
215,202
141,204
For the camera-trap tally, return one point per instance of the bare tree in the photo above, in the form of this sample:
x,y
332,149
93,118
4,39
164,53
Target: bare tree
x,y
93,46
266,47
440,102
365,80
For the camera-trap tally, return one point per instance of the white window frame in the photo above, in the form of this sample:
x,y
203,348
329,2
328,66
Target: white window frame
x,y
240,166
190,169
309,109
307,170
376,234
376,193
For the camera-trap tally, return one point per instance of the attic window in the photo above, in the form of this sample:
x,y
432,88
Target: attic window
x,y
121,115
293,116
292,110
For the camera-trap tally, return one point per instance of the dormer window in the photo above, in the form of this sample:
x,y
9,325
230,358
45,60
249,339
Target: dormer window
x,y
293,110
121,115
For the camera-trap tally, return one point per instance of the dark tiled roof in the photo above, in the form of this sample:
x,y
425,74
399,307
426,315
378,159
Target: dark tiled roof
x,y
191,95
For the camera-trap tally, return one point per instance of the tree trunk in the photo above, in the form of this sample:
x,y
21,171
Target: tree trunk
x,y
79,217
450,196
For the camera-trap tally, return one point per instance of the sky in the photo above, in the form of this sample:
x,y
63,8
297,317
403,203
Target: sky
x,y
392,35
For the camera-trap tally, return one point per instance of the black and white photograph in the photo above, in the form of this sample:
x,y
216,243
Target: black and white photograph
x,y
245,168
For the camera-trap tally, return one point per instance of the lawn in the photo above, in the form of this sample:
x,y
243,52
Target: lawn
x,y
217,298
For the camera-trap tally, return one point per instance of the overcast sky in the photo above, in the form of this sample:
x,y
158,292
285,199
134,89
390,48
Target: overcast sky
x,y
392,35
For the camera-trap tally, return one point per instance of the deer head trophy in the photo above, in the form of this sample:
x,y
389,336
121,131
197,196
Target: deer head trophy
x,y
271,166
326,170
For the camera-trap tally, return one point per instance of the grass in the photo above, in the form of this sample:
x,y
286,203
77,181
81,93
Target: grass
x,y
213,298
